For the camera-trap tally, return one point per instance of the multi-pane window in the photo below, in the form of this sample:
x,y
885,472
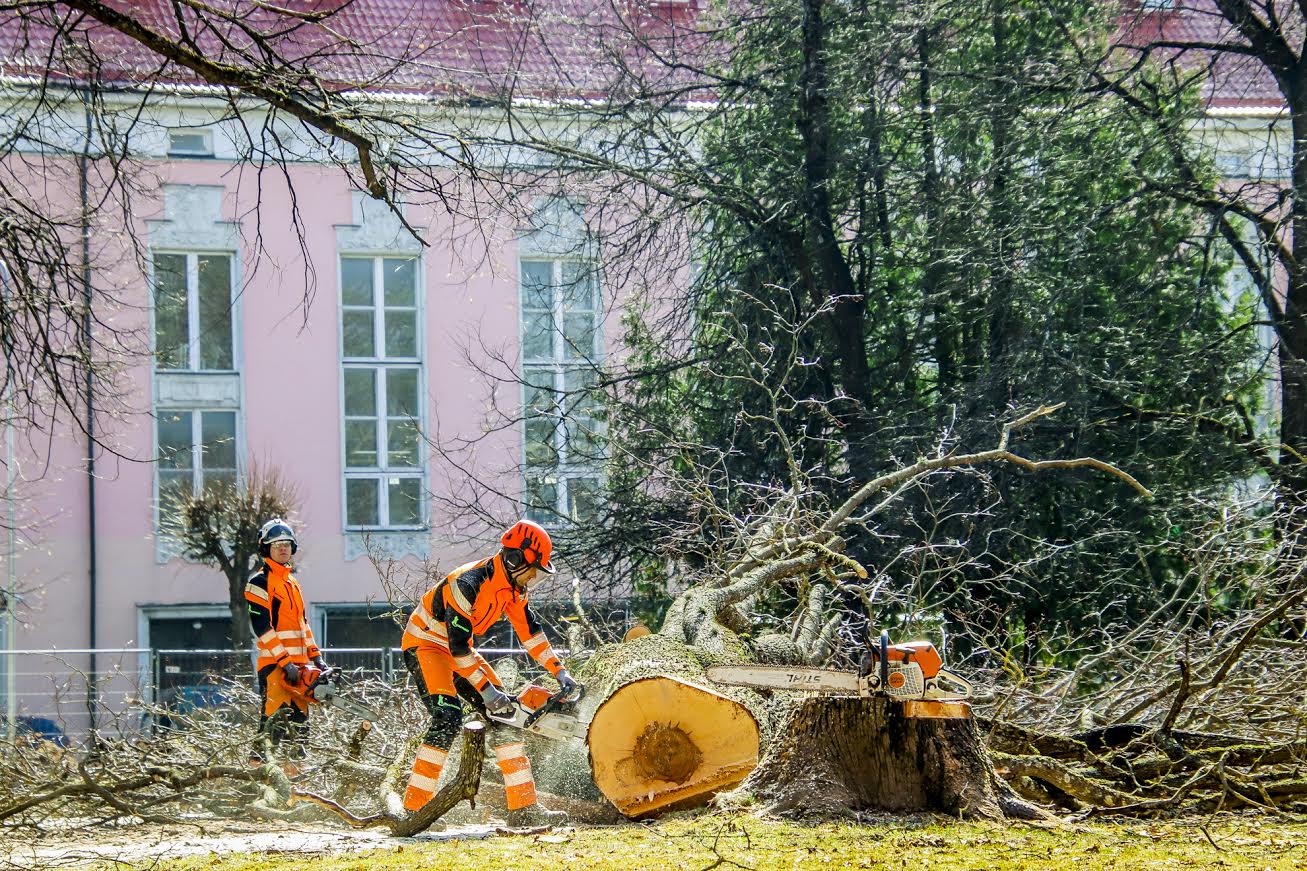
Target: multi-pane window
x,y
382,393
197,452
560,344
193,311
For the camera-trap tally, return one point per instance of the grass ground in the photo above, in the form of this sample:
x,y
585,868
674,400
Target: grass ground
x,y
709,842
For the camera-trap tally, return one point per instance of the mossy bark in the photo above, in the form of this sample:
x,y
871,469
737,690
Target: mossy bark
x,y
835,757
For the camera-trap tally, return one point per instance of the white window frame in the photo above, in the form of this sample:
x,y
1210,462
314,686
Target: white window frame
x,y
558,365
193,337
206,150
197,449
382,472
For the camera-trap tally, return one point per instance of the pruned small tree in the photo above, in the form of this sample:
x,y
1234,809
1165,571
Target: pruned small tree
x,y
220,528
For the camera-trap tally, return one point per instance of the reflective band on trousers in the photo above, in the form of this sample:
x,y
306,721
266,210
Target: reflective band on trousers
x,y
510,751
519,785
421,781
432,754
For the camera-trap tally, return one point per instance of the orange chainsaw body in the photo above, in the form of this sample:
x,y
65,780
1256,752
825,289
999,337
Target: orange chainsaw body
x,y
533,697
281,692
923,653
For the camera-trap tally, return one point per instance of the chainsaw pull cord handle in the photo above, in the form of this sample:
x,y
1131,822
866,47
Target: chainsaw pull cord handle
x,y
554,703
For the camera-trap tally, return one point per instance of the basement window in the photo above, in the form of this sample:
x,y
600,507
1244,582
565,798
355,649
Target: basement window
x,y
189,142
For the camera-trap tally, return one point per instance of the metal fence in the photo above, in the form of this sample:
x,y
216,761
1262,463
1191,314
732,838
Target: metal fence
x,y
59,695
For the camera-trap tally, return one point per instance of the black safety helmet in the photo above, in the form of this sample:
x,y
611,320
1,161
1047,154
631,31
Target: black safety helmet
x,y
276,529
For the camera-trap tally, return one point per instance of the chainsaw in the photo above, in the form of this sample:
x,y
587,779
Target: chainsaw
x,y
315,686
551,715
903,672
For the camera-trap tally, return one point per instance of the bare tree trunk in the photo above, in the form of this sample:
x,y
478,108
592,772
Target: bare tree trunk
x,y
242,635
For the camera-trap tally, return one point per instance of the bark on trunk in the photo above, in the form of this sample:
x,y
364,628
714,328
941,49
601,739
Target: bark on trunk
x,y
834,757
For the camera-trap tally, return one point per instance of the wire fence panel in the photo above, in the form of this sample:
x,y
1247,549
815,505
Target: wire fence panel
x,y
60,695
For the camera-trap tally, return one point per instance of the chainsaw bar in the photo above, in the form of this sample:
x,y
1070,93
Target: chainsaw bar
x,y
903,681
786,677
328,694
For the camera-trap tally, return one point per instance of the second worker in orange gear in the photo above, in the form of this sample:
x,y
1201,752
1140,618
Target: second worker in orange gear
x,y
285,643
439,654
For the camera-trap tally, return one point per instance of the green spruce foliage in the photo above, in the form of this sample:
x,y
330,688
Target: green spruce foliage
x,y
919,220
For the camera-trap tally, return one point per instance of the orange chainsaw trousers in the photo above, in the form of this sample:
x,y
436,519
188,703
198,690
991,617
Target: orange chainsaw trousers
x,y
286,723
435,672
446,718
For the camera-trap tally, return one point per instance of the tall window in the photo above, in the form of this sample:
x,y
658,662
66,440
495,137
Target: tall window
x,y
193,312
560,343
382,392
197,451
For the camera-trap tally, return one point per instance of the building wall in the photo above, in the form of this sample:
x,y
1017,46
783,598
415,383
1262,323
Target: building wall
x,y
289,389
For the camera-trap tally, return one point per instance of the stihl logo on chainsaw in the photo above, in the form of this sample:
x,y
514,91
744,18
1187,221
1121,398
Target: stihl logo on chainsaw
x,y
904,672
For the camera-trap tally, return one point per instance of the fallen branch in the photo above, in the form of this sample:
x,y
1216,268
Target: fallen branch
x,y
463,785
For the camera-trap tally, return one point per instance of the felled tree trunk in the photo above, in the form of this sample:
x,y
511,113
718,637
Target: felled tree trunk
x,y
833,757
661,736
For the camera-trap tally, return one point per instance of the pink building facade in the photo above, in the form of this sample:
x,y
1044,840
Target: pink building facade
x,y
332,352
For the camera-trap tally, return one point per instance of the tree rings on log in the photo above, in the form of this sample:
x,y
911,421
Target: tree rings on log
x,y
659,743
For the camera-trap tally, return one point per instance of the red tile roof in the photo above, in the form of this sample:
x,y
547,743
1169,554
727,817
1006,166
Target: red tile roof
x,y
1187,28
535,47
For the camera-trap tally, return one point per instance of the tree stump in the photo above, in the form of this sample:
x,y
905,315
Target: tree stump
x,y
836,756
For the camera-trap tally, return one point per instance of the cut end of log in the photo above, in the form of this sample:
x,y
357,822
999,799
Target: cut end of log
x,y
660,743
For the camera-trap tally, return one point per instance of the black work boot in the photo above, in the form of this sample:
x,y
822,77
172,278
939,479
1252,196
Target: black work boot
x,y
534,815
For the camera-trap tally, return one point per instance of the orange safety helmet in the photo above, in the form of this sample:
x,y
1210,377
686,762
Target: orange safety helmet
x,y
531,539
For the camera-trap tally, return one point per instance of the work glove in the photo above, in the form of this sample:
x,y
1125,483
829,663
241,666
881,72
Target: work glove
x,y
565,683
496,701
292,672
320,663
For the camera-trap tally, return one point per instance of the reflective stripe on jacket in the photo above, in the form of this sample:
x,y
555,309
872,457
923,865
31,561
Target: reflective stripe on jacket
x,y
276,607
468,602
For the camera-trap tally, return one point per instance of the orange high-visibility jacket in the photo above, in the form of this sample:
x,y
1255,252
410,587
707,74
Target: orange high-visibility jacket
x,y
468,602
277,615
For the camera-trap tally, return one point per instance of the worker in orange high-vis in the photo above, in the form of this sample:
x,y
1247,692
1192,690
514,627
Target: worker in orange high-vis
x,y
285,642
439,654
